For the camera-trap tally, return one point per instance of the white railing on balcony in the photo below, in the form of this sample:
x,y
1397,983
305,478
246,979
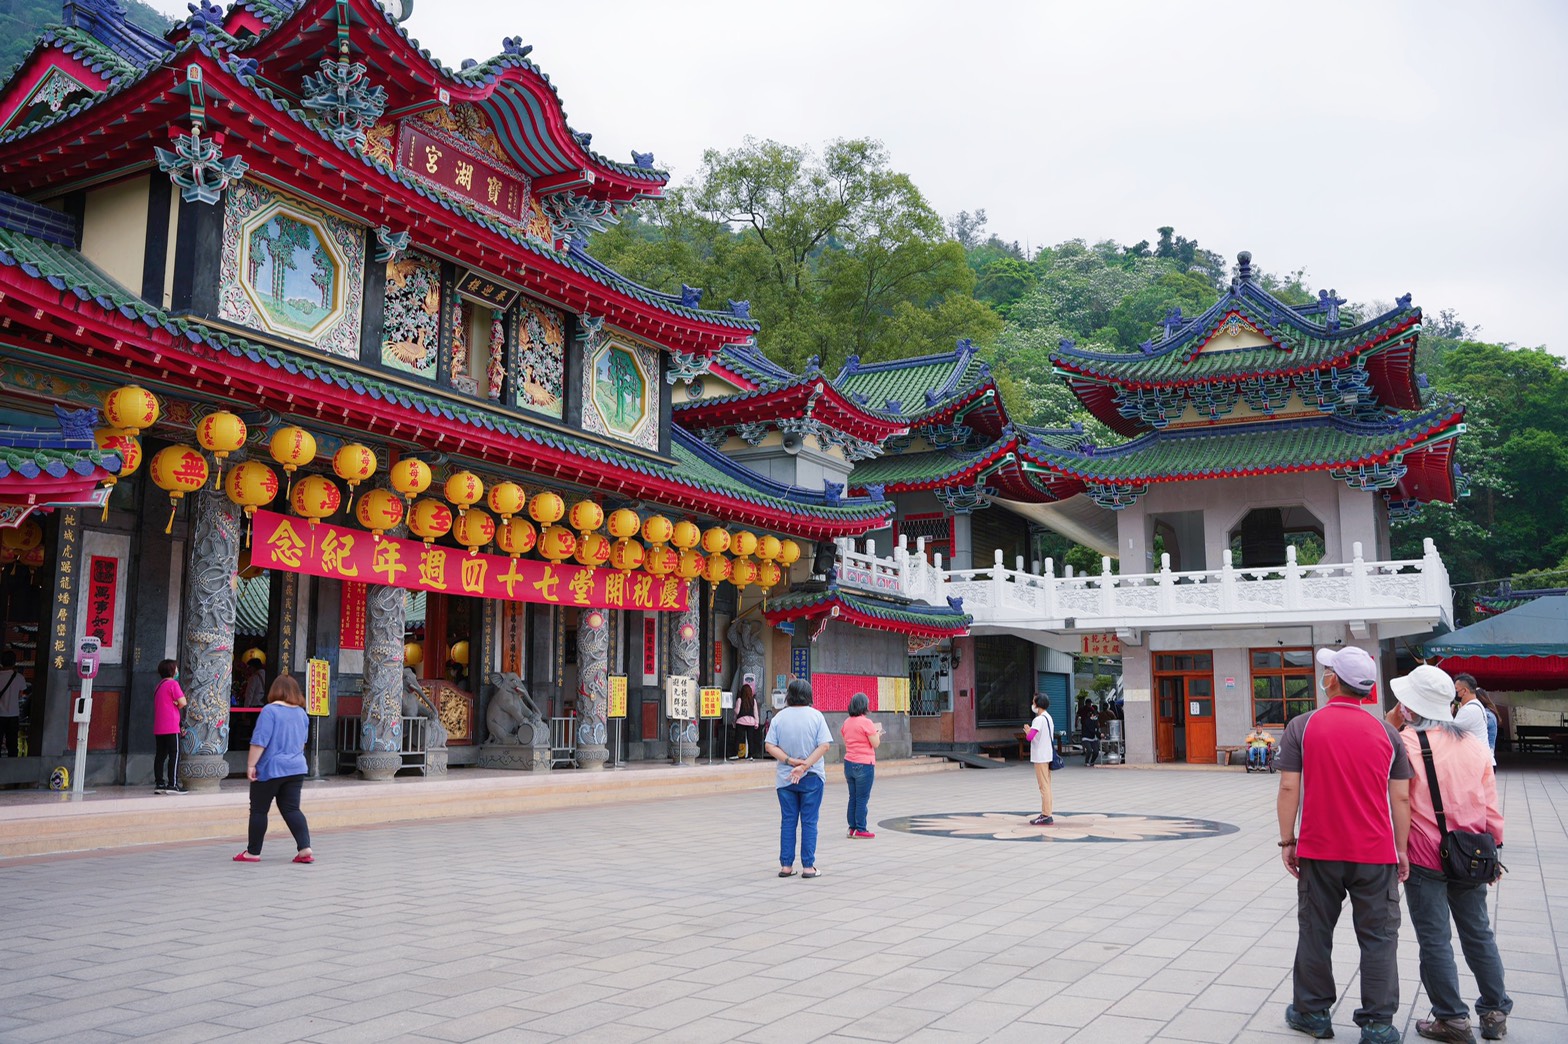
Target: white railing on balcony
x,y
1409,589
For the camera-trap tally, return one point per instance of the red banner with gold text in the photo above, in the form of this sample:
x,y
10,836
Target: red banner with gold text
x,y
339,553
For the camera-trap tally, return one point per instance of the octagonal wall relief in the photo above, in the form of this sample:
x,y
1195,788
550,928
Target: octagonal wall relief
x,y
621,391
291,269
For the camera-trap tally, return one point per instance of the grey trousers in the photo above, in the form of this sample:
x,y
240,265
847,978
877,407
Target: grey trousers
x,y
1374,908
1432,900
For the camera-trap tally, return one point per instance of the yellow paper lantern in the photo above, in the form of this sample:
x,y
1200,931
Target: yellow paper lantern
x,y
743,571
657,530
586,516
254,654
623,523
769,574
464,489
690,564
379,510
129,448
413,654
354,464
593,549
220,434
516,536
474,529
458,653
717,569
686,535
506,499
411,477
23,538
32,559
626,555
715,540
660,560
177,470
557,543
768,548
429,520
315,498
131,409
743,543
293,447
251,484
547,509
789,553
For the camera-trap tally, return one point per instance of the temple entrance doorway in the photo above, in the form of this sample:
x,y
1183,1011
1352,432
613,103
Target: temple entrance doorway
x,y
1184,707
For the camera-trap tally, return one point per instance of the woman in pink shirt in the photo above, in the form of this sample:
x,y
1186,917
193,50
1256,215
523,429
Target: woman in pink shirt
x,y
167,702
862,736
1468,792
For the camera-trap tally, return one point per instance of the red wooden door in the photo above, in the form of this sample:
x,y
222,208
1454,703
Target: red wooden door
x,y
1200,720
1167,715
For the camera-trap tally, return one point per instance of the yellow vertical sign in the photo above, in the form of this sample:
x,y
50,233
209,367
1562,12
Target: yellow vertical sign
x,y
617,695
318,686
711,703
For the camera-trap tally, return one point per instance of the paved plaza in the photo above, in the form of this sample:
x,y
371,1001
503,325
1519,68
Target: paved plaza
x,y
665,921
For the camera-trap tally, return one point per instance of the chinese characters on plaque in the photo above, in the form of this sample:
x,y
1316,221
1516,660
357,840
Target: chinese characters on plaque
x,y
617,696
680,697
103,573
478,181
711,702
1101,645
318,686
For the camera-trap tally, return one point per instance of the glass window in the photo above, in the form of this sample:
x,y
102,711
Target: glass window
x,y
1004,681
1282,685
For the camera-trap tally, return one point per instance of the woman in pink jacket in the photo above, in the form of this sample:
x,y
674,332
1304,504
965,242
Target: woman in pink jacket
x,y
1468,792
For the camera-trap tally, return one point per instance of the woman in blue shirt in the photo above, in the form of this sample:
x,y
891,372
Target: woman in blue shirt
x,y
276,768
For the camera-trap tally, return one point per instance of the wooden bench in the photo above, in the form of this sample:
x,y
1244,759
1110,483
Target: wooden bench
x,y
999,749
1222,753
1551,738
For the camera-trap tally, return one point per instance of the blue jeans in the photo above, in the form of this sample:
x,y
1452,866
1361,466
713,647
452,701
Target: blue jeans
x,y
859,778
799,804
1432,898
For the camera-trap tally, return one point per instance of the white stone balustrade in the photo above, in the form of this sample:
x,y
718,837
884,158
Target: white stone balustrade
x,y
1403,595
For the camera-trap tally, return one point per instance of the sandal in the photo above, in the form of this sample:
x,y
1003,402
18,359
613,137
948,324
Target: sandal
x,y
246,857
807,875
787,873
304,857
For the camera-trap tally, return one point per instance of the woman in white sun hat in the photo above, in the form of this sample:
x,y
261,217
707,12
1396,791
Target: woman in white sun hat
x,y
1468,793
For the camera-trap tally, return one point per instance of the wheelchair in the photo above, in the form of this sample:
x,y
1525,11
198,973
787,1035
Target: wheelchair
x,y
1270,760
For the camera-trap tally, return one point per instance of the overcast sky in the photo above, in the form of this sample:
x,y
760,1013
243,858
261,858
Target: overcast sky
x,y
1382,146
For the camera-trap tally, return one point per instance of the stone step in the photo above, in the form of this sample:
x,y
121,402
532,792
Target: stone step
x,y
35,823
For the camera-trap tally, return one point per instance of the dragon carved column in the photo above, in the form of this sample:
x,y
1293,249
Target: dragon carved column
x,y
381,724
593,687
685,658
211,601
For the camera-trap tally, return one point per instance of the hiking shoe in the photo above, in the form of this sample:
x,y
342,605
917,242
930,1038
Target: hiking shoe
x,y
1457,1031
178,788
1379,1033
1494,1025
1316,1023
1042,821
861,833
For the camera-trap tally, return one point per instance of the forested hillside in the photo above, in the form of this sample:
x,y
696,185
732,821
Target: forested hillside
x,y
839,254
22,20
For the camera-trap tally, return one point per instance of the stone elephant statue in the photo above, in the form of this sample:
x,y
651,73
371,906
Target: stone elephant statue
x,y
513,718
417,705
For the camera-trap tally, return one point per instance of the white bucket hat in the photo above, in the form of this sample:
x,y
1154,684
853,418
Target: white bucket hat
x,y
1427,691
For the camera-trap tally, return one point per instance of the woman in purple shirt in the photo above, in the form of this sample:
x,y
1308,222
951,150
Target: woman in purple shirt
x,y
276,768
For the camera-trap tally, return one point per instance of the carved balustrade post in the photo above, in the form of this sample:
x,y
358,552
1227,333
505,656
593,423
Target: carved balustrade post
x,y
211,600
381,718
685,659
593,687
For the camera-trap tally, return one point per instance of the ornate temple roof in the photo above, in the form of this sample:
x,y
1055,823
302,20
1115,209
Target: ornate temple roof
x,y
40,465
1250,338
805,399
915,620
921,388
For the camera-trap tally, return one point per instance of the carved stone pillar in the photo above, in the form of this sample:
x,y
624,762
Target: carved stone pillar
x,y
211,600
381,721
686,659
593,687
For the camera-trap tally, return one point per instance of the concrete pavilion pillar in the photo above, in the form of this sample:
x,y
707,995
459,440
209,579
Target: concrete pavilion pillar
x,y
381,718
211,600
593,687
686,659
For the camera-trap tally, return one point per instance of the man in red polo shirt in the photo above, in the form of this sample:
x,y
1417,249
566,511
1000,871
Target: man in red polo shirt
x,y
1344,770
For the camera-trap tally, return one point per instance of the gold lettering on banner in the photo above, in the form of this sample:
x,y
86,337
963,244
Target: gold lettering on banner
x,y
643,594
389,561
615,588
335,550
511,578
582,585
286,545
548,584
669,594
432,568
472,572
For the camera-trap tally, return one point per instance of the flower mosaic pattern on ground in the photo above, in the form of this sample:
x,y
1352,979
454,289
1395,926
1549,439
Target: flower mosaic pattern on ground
x,y
1069,826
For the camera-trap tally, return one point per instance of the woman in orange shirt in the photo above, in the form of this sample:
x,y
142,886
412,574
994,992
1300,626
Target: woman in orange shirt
x,y
862,736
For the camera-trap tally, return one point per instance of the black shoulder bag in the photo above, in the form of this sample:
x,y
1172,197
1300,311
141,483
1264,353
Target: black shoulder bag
x,y
1467,858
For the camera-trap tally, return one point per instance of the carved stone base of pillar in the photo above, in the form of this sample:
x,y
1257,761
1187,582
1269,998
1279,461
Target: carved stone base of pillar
x,y
380,765
591,757
435,762
683,742
513,757
203,771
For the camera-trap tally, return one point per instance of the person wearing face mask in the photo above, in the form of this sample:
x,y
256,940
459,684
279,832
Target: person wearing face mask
x,y
167,702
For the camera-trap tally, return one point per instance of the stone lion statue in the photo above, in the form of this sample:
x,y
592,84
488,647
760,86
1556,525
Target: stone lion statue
x,y
417,705
512,717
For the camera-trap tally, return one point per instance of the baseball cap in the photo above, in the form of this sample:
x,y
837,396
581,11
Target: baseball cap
x,y
1427,690
1353,665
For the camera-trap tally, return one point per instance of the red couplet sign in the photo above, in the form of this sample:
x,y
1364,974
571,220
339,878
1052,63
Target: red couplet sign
x,y
339,553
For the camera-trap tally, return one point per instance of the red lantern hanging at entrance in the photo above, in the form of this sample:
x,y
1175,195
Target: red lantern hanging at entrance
x,y
177,470
379,510
220,434
354,464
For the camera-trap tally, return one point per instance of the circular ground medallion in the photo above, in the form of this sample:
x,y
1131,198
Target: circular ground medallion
x,y
1069,826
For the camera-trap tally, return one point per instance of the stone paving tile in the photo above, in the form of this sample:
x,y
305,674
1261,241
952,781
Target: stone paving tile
x,y
556,931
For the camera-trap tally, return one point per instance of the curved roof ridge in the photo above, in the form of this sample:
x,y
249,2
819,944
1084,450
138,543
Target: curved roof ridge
x,y
963,351
761,483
